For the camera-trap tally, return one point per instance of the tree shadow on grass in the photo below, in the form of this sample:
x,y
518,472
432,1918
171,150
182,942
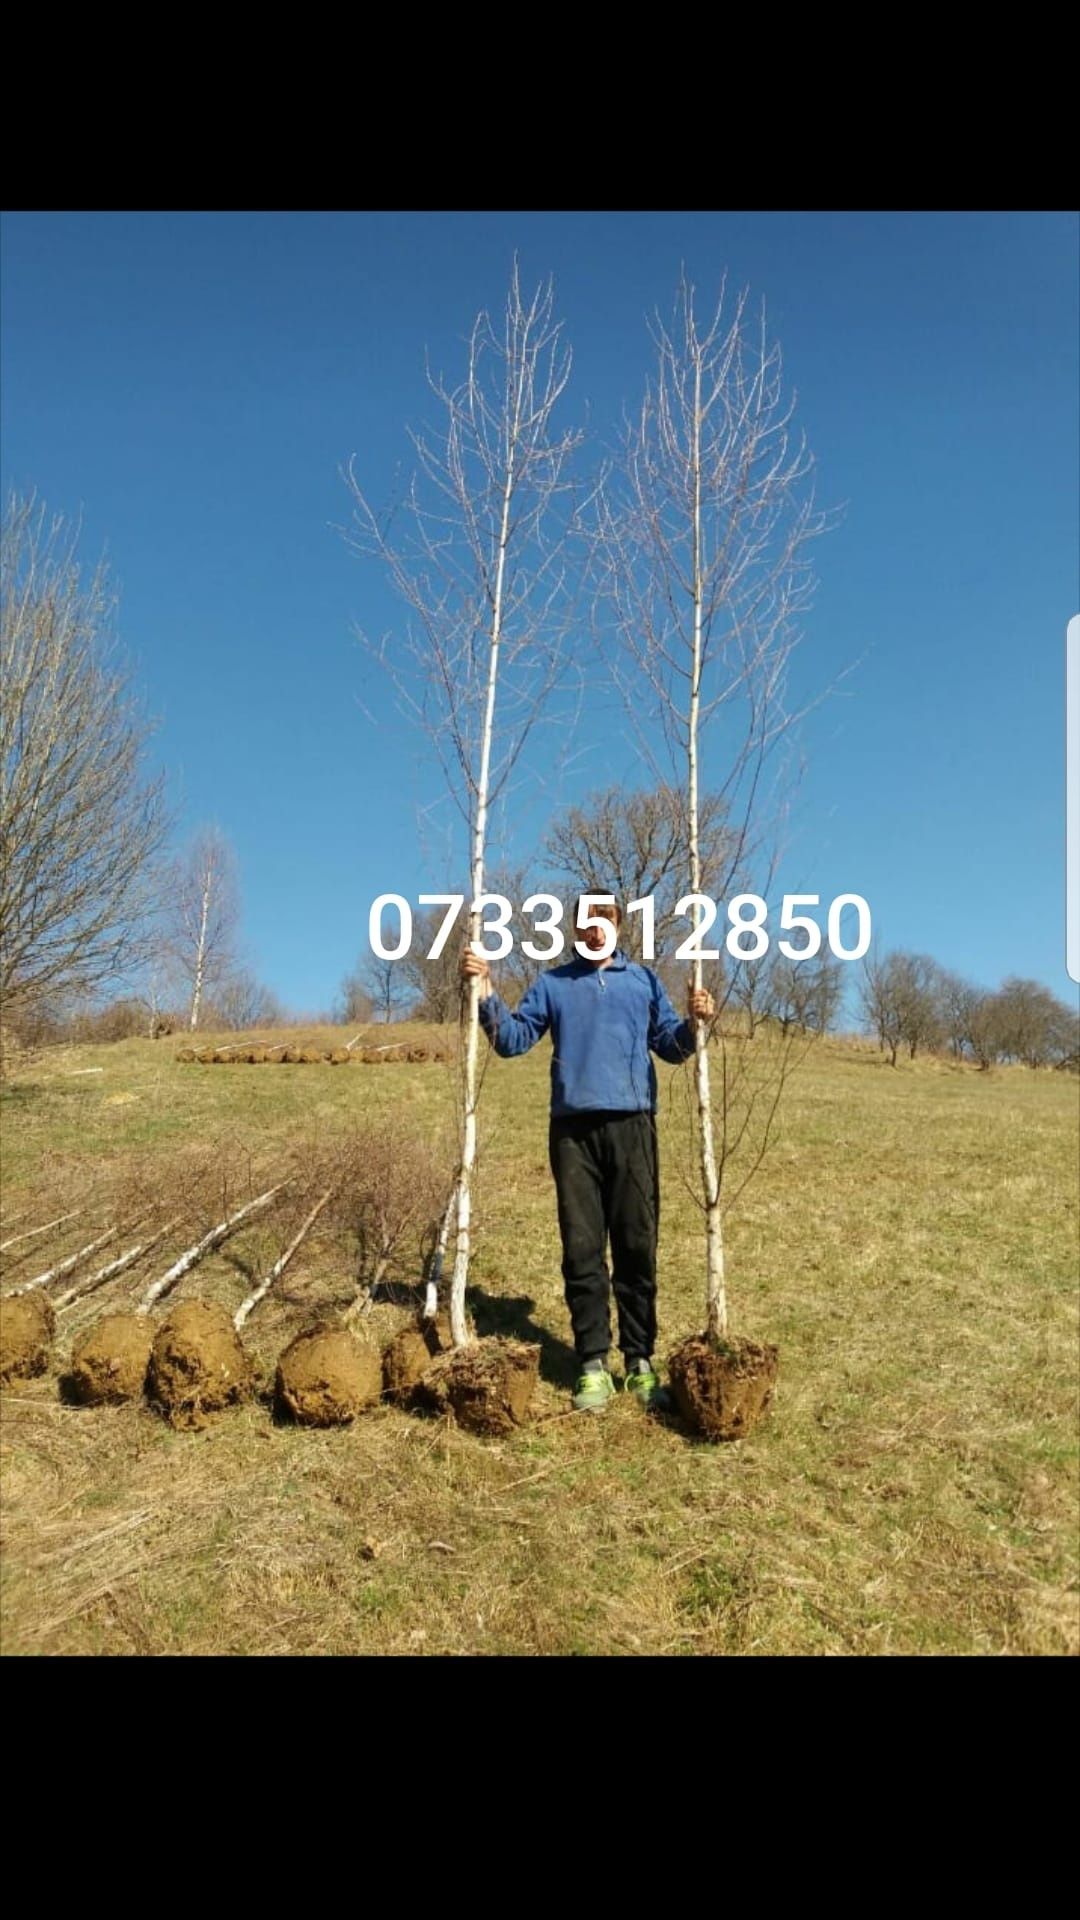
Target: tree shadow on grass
x,y
390,1292
510,1315
242,1265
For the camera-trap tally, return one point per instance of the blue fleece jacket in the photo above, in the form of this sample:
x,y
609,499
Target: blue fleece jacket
x,y
604,1023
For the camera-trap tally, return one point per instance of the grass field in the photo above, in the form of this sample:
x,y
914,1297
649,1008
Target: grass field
x,y
911,1243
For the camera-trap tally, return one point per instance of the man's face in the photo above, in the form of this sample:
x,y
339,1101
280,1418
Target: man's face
x,y
593,937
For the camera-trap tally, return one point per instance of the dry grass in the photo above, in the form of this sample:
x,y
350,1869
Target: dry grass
x,y
910,1243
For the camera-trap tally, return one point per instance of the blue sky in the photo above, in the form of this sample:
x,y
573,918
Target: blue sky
x,y
192,383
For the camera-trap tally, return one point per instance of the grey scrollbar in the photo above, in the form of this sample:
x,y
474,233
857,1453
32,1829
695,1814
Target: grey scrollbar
x,y
1073,797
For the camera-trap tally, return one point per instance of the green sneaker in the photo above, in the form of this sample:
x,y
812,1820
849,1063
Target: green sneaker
x,y
593,1391
644,1386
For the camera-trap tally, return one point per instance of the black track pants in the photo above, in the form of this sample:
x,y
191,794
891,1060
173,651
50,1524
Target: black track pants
x,y
607,1181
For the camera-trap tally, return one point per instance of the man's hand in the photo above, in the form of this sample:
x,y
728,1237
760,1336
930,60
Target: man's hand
x,y
702,1004
473,967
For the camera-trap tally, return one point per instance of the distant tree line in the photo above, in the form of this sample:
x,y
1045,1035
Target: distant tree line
x,y
914,1006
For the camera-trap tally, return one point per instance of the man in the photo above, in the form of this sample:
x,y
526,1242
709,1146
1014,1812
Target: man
x,y
606,1014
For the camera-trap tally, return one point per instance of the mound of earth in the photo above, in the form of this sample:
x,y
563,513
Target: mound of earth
x,y
488,1386
27,1326
410,1354
197,1364
110,1360
723,1391
326,1376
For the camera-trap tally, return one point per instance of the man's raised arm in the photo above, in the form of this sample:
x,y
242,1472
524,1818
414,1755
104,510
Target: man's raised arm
x,y
509,1033
670,1038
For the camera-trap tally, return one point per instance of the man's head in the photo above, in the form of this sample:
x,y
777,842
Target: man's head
x,y
593,937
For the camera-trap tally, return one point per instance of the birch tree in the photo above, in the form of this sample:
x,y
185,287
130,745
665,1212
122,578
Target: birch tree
x,y
480,563
704,530
379,982
205,910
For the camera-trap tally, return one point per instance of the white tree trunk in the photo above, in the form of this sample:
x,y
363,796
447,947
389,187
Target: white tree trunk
x,y
459,1280
365,1299
115,1267
715,1296
247,1306
200,951
65,1267
33,1232
215,1238
431,1293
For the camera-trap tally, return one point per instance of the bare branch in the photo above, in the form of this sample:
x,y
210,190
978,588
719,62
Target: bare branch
x,y
114,1267
248,1306
215,1238
67,1266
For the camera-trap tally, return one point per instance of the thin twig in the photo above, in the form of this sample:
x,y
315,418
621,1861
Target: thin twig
x,y
207,1244
34,1231
115,1267
248,1306
67,1266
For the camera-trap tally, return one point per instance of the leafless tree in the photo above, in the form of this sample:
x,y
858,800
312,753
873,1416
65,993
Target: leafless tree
x,y
1064,1036
804,994
751,993
958,1001
704,532
874,999
81,826
481,567
372,991
435,985
391,1202
901,997
384,985
1033,1025
121,1019
204,914
155,989
242,1001
983,1036
637,844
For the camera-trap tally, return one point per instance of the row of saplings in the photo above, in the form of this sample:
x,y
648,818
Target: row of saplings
x,y
194,1364
290,1056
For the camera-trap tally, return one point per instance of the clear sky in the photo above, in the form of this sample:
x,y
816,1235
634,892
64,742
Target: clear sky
x,y
192,383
